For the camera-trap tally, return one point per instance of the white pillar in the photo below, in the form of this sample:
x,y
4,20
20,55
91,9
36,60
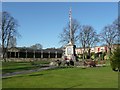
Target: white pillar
x,y
41,54
49,54
10,54
26,53
15,54
70,18
56,54
18,54
34,54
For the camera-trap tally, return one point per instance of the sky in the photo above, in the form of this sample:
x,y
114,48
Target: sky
x,y
42,22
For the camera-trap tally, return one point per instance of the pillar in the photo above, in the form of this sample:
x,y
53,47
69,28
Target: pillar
x,y
26,53
10,54
56,54
34,54
49,54
41,54
18,54
15,54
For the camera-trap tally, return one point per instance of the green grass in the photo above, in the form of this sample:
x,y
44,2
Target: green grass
x,y
8,67
98,77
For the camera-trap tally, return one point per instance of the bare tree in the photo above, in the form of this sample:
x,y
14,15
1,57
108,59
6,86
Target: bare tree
x,y
115,57
109,34
12,42
116,25
88,38
36,46
92,38
83,40
65,35
9,29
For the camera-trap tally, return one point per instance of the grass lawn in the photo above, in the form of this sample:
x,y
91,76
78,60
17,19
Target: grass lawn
x,y
98,77
8,67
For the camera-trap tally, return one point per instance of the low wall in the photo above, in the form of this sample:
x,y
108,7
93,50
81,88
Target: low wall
x,y
32,59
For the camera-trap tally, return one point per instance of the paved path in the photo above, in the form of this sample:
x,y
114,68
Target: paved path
x,y
27,71
34,70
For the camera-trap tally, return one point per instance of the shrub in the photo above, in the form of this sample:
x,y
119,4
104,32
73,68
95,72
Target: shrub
x,y
115,59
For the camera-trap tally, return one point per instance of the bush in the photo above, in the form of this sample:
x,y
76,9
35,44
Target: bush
x,y
115,59
92,55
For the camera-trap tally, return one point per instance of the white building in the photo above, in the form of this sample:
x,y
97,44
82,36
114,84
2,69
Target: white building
x,y
96,49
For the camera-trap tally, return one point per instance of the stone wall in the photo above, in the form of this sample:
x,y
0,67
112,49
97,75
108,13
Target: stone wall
x,y
32,59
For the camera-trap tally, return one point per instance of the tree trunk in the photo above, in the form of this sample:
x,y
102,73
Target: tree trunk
x,y
4,54
84,53
110,50
89,53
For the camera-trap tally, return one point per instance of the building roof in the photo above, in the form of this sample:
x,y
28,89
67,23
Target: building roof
x,y
24,49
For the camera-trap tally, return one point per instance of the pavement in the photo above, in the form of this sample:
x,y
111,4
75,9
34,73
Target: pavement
x,y
26,71
33,70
